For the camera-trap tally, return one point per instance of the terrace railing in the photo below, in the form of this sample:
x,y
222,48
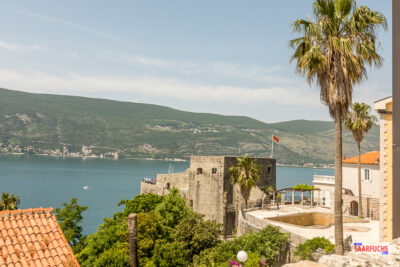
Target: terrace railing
x,y
324,179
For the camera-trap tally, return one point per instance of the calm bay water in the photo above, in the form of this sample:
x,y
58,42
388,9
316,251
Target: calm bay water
x,y
48,182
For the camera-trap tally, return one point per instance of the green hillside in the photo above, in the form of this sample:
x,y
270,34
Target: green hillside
x,y
152,131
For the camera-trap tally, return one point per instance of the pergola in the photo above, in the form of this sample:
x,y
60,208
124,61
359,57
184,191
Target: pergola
x,y
293,190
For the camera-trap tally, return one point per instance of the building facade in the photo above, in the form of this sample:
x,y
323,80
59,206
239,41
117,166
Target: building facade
x,y
370,186
384,108
207,187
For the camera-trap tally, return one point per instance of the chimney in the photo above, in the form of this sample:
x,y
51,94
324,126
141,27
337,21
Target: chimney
x,y
132,223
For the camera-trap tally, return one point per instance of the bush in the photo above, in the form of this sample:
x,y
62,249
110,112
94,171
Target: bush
x,y
305,250
197,234
268,244
170,254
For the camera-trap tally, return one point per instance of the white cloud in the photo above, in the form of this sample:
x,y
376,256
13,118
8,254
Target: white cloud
x,y
155,87
17,47
255,73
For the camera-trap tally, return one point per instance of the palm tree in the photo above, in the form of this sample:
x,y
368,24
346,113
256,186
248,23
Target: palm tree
x,y
246,173
359,122
9,202
334,49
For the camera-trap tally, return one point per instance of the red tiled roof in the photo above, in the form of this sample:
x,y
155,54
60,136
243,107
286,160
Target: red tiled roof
x,y
33,238
370,158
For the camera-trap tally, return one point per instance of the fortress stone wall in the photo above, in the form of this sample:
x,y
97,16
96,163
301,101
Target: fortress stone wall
x,y
208,189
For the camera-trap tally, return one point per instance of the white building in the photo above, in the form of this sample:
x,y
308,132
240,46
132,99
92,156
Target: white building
x,y
370,186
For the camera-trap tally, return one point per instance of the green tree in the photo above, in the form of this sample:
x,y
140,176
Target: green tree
x,y
9,201
359,122
172,210
112,236
197,234
141,203
114,257
170,254
149,233
157,218
69,218
246,173
334,49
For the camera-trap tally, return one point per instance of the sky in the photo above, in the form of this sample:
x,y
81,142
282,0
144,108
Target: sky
x,y
227,57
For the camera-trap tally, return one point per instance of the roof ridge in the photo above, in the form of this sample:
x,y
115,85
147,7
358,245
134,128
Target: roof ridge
x,y
26,211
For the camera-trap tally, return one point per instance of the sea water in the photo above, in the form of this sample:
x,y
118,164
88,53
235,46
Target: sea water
x,y
98,183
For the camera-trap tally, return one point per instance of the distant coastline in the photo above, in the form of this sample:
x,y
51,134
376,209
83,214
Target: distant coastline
x,y
307,165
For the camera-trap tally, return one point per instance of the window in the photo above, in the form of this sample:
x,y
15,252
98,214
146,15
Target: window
x,y
168,186
269,170
199,171
214,170
366,174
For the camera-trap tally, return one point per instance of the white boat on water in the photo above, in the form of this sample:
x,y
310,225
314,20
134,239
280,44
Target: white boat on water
x,y
85,187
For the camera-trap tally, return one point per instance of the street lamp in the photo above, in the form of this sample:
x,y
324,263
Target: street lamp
x,y
242,256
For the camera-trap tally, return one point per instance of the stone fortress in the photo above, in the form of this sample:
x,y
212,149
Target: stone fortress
x,y
207,188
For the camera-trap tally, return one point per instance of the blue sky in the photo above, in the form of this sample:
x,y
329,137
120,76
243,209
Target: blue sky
x,y
227,57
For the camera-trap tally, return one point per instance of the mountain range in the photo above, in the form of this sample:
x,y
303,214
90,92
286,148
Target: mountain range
x,y
139,130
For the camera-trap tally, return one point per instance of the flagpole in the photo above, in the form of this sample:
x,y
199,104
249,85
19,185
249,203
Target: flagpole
x,y
272,150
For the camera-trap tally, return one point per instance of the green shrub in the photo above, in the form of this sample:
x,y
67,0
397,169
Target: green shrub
x,y
305,250
170,254
268,244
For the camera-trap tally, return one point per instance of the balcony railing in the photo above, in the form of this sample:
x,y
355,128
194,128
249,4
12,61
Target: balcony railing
x,y
324,179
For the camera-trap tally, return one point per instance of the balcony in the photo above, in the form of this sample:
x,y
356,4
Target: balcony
x,y
324,179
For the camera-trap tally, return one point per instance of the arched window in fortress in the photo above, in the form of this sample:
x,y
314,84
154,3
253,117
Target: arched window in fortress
x,y
199,171
214,170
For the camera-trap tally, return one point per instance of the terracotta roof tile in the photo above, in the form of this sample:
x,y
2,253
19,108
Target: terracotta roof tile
x,y
33,238
370,158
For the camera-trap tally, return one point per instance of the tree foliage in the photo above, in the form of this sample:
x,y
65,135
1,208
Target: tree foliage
x,y
168,254
268,245
305,250
149,234
304,187
157,218
69,218
172,210
9,201
246,173
141,203
335,47
197,234
359,121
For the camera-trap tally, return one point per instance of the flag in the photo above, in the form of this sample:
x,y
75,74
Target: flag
x,y
276,138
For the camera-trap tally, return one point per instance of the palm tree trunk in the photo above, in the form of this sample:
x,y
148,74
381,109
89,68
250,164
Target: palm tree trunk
x,y
338,183
359,181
